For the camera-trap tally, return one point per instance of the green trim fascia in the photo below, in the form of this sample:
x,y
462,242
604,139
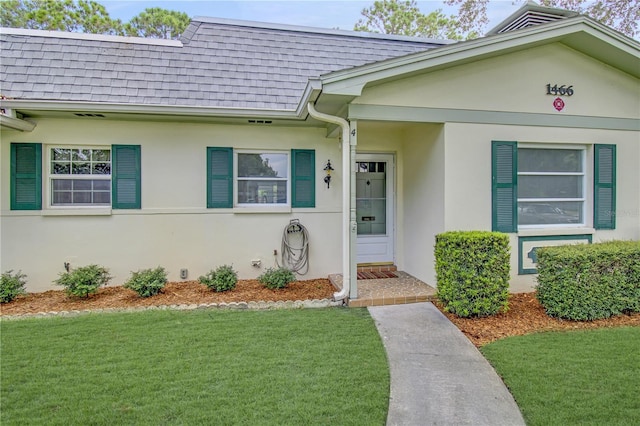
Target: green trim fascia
x,y
445,115
522,240
599,222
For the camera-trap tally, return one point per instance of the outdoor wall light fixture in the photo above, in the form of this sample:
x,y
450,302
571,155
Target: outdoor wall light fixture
x,y
328,168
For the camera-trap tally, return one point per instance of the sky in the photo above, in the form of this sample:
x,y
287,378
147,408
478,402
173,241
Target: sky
x,y
311,13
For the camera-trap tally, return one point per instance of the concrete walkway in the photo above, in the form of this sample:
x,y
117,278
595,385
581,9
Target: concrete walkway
x,y
437,376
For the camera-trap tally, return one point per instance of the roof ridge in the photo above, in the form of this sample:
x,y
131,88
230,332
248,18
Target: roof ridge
x,y
89,36
316,30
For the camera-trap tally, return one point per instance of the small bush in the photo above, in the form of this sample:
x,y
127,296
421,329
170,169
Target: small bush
x,y
277,278
589,281
11,286
147,282
222,279
472,270
84,281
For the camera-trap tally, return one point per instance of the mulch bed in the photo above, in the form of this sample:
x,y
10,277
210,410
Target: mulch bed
x,y
525,315
174,293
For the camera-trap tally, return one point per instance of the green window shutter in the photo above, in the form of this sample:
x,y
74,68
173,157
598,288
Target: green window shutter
x,y
125,178
219,178
504,189
303,178
604,186
26,176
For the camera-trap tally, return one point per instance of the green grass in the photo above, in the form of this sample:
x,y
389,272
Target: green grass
x,y
314,366
572,378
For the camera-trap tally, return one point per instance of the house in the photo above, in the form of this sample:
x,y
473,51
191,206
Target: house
x,y
190,154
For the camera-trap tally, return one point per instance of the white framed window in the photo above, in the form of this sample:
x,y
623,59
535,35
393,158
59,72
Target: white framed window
x,y
551,186
261,178
79,176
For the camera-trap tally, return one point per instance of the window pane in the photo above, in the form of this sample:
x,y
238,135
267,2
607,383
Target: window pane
x,y
550,186
61,168
61,197
81,155
549,160
81,197
263,165
101,169
61,184
102,185
58,154
550,213
262,192
81,185
101,155
102,197
81,168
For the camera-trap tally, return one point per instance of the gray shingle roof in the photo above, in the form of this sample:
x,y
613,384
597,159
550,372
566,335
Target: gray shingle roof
x,y
220,63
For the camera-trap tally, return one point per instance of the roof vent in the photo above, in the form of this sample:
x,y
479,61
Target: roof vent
x,y
260,121
88,115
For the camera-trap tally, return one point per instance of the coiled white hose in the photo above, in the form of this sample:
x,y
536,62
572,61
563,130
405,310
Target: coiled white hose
x,y
295,247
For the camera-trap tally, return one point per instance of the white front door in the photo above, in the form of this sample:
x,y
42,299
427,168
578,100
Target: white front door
x,y
375,207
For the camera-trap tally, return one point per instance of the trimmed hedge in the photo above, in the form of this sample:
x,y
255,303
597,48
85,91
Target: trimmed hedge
x,y
472,271
589,281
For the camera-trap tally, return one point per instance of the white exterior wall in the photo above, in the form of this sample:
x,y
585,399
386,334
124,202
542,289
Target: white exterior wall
x,y
468,195
174,229
447,170
424,209
517,82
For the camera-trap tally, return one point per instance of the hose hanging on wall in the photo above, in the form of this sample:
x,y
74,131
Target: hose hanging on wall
x,y
295,247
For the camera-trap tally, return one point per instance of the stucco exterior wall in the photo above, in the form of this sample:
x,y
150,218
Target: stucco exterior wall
x,y
517,82
424,208
468,181
174,228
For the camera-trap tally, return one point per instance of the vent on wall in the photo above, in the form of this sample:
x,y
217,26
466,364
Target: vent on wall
x,y
529,19
260,121
79,114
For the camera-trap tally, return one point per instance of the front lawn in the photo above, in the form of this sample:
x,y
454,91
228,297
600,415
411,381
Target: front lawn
x,y
313,366
572,378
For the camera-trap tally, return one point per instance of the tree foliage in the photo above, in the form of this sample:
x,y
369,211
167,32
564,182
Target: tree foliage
x,y
156,22
404,18
622,15
59,15
89,16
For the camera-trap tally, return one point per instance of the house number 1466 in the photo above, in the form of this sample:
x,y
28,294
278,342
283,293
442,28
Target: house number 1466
x,y
556,90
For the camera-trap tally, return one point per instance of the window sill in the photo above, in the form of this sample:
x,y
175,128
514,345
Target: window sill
x,y
77,212
257,209
535,232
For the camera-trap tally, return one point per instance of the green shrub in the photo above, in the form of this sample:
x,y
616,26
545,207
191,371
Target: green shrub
x,y
84,281
223,278
147,282
589,281
277,278
472,271
11,285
